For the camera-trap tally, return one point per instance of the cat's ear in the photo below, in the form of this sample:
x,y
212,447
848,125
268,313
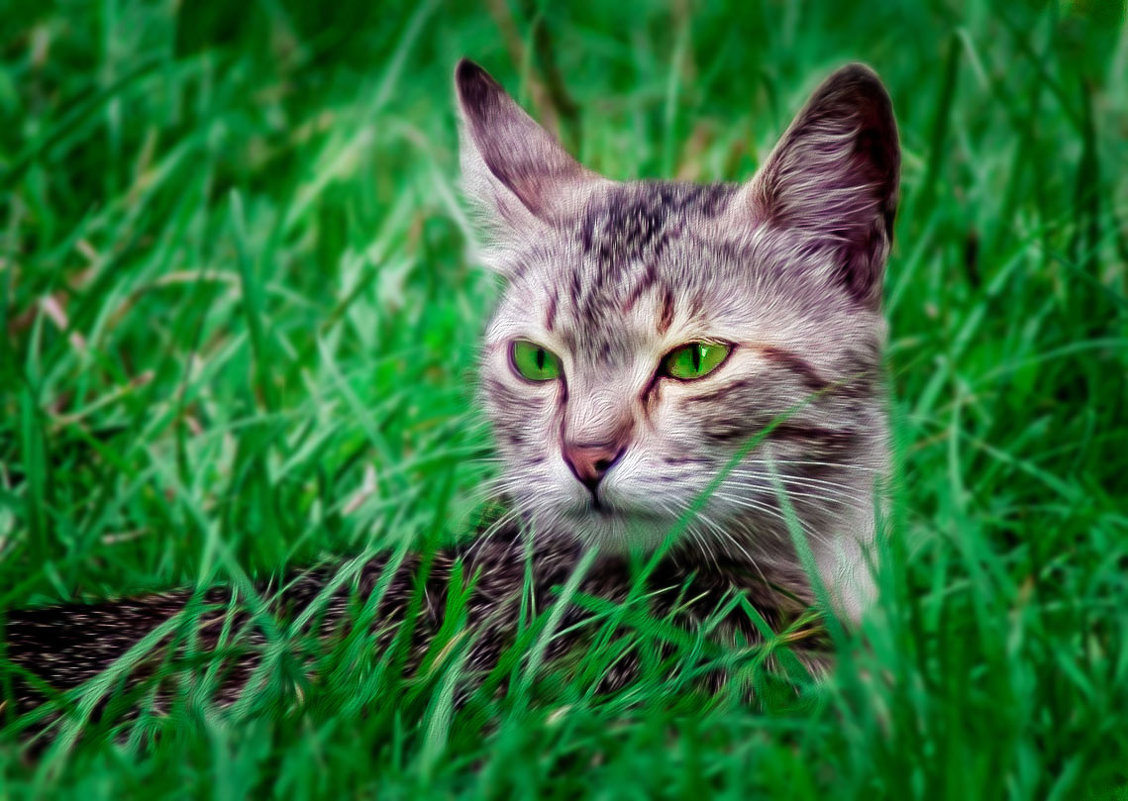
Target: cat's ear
x,y
835,174
511,167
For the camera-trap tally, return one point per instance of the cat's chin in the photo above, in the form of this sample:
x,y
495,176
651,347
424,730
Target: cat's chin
x,y
617,529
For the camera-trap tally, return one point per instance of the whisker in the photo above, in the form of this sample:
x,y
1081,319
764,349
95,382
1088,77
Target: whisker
x,y
836,465
828,491
777,514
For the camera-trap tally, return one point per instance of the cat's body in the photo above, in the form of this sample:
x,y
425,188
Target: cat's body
x,y
701,360
65,646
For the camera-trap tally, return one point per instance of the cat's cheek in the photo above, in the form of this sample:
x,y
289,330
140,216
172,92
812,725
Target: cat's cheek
x,y
675,434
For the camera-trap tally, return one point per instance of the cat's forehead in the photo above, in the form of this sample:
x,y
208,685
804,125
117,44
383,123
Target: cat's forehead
x,y
617,272
627,225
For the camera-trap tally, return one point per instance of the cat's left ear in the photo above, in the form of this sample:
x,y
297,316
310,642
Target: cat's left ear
x,y
513,168
834,176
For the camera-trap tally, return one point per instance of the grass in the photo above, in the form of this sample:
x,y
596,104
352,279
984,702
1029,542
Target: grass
x,y
239,337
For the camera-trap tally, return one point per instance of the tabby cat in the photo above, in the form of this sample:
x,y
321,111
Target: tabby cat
x,y
696,369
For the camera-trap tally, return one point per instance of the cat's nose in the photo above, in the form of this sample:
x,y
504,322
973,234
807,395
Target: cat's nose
x,y
590,463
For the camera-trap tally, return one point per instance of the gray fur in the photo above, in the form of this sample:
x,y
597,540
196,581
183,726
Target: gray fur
x,y
787,268
610,276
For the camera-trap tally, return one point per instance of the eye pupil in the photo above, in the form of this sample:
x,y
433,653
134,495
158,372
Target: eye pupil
x,y
540,358
695,356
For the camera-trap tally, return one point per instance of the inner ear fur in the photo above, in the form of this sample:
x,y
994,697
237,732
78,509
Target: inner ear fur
x,y
835,174
510,164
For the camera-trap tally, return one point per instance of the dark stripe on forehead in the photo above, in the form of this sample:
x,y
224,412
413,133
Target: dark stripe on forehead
x,y
648,279
550,314
666,315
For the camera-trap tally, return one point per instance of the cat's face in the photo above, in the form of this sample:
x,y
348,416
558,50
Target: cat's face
x,y
651,333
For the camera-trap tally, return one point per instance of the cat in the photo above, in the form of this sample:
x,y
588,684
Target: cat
x,y
688,370
675,322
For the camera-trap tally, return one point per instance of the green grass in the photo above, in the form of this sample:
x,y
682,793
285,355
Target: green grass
x,y
238,337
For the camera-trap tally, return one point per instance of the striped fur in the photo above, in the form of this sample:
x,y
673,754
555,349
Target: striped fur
x,y
611,276
786,268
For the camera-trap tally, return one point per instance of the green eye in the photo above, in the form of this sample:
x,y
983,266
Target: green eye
x,y
534,362
694,360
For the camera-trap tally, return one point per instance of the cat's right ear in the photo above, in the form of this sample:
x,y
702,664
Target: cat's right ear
x,y
512,168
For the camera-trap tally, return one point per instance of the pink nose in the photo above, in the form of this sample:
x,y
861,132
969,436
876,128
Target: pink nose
x,y
590,463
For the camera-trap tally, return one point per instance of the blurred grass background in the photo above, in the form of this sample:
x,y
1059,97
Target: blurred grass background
x,y
239,334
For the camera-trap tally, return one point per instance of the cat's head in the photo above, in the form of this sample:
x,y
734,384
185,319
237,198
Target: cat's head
x,y
648,332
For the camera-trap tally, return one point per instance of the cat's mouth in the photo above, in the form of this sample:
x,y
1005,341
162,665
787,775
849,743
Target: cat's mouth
x,y
602,509
593,507
599,508
616,526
